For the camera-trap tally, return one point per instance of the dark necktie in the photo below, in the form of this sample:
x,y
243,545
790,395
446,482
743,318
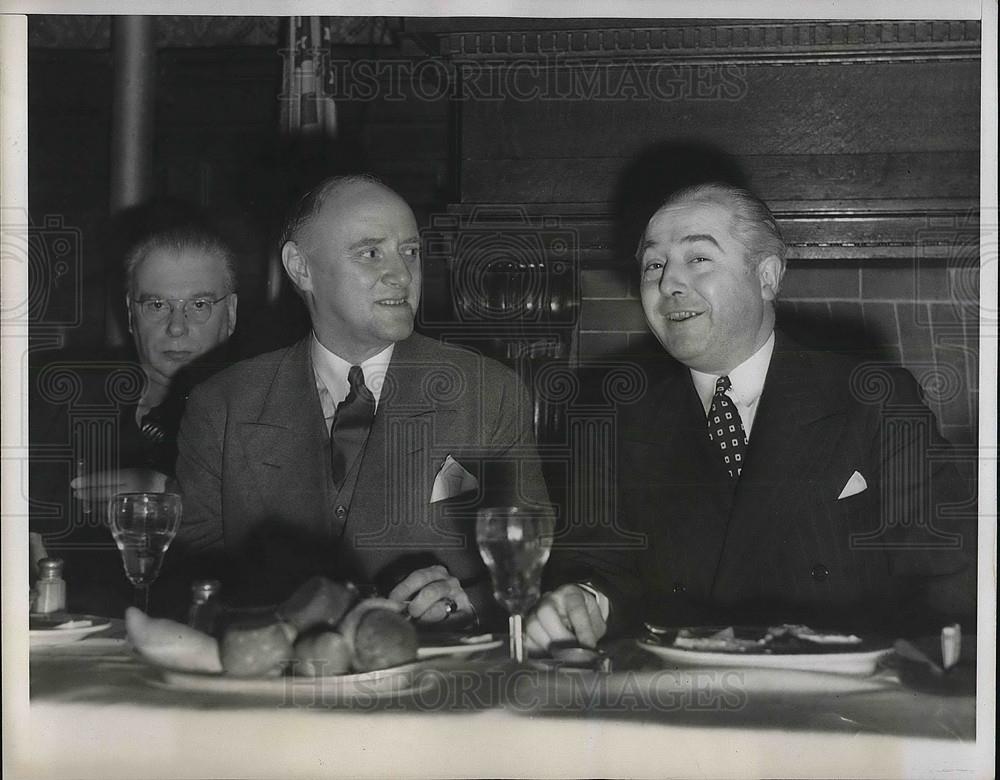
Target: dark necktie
x,y
725,428
351,424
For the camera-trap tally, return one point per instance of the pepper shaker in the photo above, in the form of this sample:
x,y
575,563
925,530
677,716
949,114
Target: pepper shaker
x,y
205,605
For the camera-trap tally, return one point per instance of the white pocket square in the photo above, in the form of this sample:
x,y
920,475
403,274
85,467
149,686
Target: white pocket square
x,y
452,480
855,485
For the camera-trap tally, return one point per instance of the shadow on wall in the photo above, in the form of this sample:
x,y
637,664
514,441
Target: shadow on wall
x,y
657,173
299,164
814,326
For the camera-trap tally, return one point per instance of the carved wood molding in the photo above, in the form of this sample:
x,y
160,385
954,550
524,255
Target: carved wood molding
x,y
732,42
933,232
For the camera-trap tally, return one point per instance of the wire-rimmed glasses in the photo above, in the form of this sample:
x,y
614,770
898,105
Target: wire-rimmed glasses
x,y
196,310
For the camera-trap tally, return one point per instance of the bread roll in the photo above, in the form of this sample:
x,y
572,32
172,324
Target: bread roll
x,y
322,654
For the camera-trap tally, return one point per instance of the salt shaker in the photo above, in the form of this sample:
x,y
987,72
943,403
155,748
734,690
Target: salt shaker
x,y
50,590
205,605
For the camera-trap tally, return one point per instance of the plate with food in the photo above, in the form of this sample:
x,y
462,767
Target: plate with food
x,y
439,645
787,646
289,688
63,628
321,645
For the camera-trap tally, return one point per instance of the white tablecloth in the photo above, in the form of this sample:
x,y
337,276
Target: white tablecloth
x,y
97,713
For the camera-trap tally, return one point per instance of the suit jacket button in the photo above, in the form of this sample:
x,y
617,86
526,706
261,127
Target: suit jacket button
x,y
340,512
820,572
680,587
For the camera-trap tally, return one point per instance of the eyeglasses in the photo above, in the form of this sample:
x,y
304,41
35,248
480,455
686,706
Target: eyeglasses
x,y
196,310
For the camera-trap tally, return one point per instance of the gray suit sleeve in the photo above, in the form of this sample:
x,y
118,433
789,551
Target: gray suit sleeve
x,y
199,472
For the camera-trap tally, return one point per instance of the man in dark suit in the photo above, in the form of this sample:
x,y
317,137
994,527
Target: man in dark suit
x,y
768,483
362,451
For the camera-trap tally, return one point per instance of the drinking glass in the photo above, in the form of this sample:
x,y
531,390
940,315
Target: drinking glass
x,y
143,525
514,542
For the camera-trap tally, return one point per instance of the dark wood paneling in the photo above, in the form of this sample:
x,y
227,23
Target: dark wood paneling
x,y
220,89
808,109
69,127
778,177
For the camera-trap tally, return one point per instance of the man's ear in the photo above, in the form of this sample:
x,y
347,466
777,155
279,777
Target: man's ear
x,y
769,271
296,266
231,304
128,311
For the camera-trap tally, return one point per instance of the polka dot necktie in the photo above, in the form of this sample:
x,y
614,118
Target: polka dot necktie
x,y
725,428
351,423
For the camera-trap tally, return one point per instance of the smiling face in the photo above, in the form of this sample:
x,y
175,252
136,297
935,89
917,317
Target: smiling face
x,y
165,347
357,265
708,304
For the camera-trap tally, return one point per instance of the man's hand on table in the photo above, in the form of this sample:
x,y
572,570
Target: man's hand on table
x,y
434,596
569,614
100,486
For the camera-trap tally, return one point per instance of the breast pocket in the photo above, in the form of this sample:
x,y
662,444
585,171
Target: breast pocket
x,y
843,553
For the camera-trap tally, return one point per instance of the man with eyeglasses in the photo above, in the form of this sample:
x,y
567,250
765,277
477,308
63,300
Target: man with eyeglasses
x,y
181,304
120,412
361,452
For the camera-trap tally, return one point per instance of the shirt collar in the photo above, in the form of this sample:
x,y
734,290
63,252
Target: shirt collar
x,y
747,378
331,371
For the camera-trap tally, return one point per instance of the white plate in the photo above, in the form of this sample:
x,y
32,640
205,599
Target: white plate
x,y
40,637
861,663
335,689
464,648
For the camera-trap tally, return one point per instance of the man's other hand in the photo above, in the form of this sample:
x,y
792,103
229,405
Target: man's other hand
x,y
100,486
568,615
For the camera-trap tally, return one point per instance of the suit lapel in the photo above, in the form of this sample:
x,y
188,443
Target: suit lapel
x,y
286,446
783,444
797,425
395,475
687,493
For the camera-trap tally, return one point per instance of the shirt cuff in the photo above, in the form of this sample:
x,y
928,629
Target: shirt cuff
x,y
603,603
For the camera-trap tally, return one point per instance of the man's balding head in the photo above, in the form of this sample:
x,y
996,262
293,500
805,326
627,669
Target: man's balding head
x,y
352,250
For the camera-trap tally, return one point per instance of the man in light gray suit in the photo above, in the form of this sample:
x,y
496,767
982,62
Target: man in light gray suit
x,y
362,451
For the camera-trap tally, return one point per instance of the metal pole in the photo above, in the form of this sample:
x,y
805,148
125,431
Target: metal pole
x,y
134,52
132,111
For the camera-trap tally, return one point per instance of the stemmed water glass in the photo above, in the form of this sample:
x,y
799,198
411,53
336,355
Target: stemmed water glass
x,y
144,525
514,542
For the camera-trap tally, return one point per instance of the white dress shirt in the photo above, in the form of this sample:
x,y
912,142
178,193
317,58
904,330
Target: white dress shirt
x,y
747,384
331,376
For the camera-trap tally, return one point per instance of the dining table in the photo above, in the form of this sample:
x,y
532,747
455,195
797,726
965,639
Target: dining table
x,y
95,710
